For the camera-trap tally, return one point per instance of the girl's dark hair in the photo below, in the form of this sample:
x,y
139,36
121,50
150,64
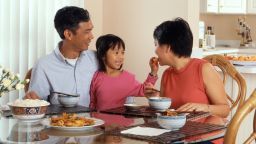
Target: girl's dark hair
x,y
103,44
177,35
68,18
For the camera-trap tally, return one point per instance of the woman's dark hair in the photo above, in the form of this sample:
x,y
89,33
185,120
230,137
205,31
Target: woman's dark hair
x,y
68,18
103,44
177,35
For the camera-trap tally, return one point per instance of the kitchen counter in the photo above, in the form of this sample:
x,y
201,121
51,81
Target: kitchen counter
x,y
246,69
220,50
229,50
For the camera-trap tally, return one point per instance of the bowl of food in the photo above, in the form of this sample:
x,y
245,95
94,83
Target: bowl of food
x,y
28,109
159,103
132,107
67,100
171,120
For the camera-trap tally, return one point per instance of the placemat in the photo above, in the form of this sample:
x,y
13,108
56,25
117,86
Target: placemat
x,y
146,111
191,128
56,109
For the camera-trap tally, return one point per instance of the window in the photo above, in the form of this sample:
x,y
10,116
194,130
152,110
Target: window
x,y
27,33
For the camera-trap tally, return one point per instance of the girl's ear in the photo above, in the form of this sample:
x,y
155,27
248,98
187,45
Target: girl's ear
x,y
68,34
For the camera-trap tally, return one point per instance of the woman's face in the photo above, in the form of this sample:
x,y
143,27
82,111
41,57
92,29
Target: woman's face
x,y
163,52
114,58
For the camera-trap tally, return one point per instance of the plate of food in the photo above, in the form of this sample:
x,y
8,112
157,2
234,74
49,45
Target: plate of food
x,y
242,60
72,122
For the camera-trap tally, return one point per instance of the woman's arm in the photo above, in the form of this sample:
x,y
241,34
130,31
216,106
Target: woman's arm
x,y
215,90
216,94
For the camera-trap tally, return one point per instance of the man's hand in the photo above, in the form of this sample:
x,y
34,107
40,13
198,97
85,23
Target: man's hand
x,y
31,95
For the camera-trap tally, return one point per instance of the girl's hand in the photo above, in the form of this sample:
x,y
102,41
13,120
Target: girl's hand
x,y
149,90
194,107
153,63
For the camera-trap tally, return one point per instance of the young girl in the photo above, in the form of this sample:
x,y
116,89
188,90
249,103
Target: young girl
x,y
111,85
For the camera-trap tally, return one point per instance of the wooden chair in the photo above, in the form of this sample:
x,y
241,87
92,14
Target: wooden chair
x,y
241,113
28,76
228,69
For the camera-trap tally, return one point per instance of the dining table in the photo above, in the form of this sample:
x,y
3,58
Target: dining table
x,y
109,129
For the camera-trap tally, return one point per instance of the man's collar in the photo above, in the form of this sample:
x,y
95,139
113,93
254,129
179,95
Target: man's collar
x,y
60,55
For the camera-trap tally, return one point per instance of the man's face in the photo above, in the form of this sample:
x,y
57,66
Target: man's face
x,y
83,36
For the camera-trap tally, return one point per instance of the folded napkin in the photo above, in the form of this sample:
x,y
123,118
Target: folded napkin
x,y
144,131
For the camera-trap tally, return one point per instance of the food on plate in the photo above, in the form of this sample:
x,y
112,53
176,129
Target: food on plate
x,y
169,112
71,120
30,103
241,58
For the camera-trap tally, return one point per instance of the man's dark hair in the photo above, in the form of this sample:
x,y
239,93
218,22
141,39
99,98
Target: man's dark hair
x,y
177,35
103,44
68,18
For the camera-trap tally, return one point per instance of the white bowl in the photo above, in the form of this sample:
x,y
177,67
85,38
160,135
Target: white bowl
x,y
172,122
159,103
68,100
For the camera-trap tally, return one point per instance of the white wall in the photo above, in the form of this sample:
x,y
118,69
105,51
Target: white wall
x,y
135,20
95,8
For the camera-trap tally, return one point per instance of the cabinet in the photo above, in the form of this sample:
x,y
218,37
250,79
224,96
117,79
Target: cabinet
x,y
232,6
251,6
209,6
224,6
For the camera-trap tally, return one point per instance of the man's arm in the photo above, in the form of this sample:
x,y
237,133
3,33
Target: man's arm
x,y
39,86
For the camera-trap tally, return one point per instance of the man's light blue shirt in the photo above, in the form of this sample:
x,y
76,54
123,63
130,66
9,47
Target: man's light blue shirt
x,y
53,73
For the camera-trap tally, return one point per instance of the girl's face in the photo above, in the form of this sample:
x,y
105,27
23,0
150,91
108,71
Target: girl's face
x,y
114,58
163,53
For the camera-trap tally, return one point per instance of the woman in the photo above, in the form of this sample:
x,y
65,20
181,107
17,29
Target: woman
x,y
192,84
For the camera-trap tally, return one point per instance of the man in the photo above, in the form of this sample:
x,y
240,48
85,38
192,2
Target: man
x,y
70,67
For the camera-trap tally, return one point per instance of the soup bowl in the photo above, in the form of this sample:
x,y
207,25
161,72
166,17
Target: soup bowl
x,y
159,103
171,122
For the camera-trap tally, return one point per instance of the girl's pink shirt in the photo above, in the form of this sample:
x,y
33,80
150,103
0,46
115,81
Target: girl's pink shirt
x,y
108,92
185,85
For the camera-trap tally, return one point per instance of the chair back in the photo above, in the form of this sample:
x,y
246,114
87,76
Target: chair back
x,y
248,106
228,69
28,76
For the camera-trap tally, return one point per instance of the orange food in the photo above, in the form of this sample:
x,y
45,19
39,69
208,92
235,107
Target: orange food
x,y
241,58
155,61
71,120
170,113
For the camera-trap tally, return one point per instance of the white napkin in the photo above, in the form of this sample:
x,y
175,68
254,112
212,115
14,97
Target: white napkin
x,y
144,131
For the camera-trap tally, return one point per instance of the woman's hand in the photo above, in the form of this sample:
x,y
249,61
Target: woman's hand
x,y
153,63
194,107
149,90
